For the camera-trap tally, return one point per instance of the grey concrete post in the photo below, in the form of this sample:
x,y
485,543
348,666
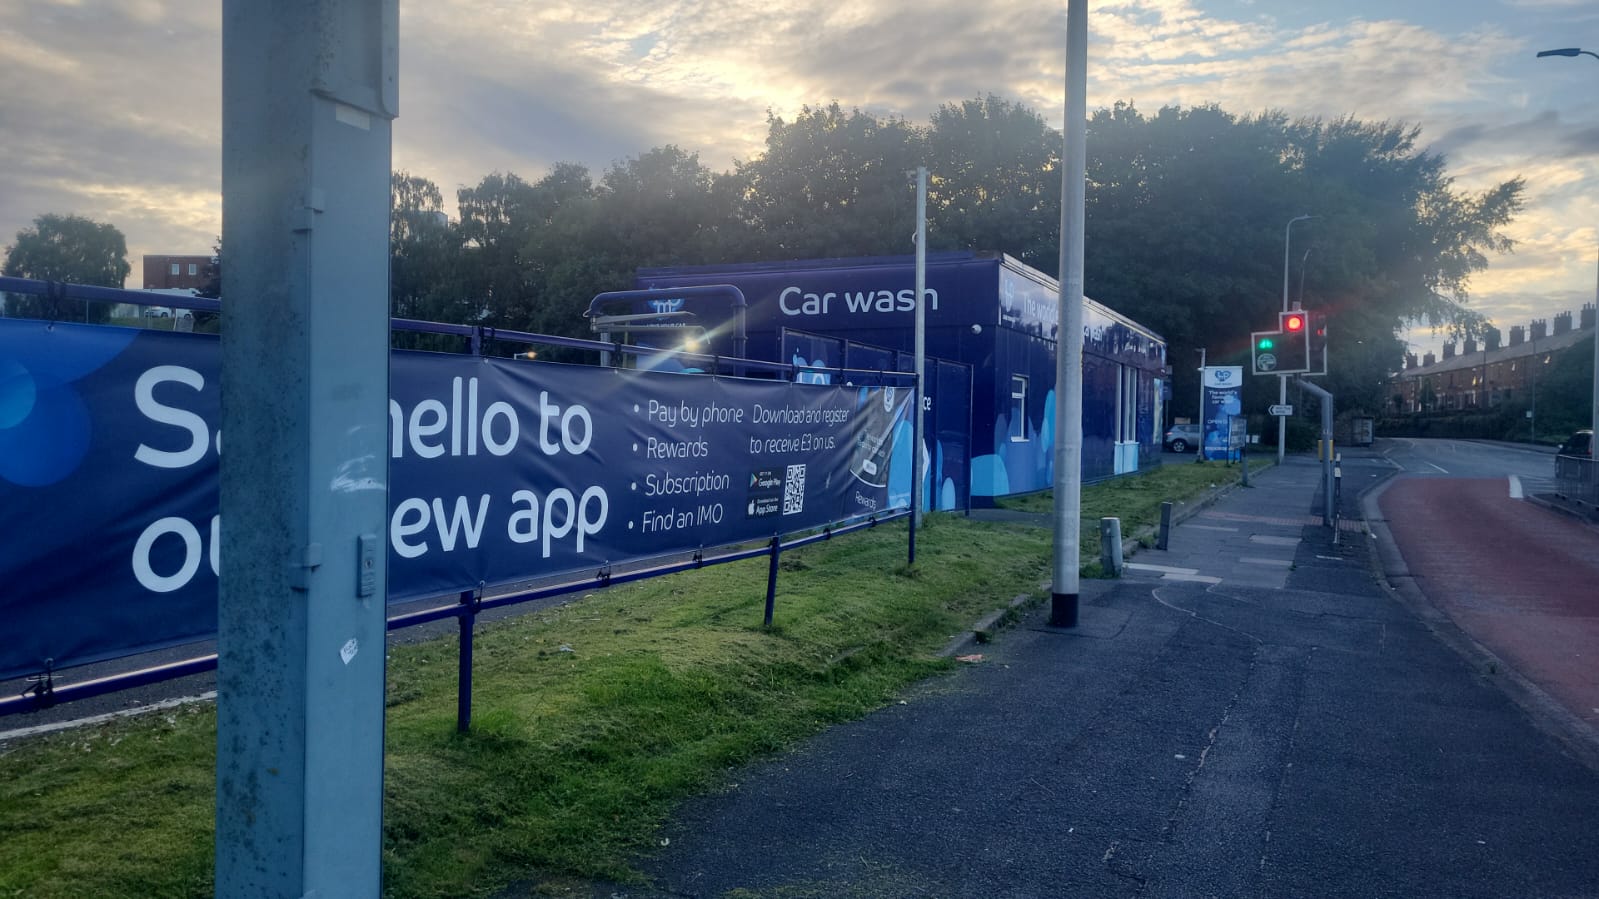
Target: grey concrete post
x,y
1110,546
1326,447
308,92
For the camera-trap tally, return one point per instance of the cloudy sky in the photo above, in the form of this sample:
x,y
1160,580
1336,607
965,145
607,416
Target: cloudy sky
x,y
111,108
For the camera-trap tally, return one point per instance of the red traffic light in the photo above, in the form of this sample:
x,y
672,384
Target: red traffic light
x,y
1293,323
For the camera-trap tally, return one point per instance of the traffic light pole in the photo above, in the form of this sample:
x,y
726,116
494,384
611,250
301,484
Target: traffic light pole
x,y
1282,420
1282,380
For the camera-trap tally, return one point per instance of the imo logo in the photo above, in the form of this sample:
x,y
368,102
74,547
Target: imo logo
x,y
663,306
44,424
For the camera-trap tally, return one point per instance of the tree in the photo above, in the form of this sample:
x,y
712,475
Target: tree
x,y
499,220
212,288
1186,211
424,255
831,183
67,248
1566,389
994,167
659,208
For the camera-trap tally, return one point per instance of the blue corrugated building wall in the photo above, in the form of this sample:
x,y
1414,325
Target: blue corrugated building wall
x,y
987,311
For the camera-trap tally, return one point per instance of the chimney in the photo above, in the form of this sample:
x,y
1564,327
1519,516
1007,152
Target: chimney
x,y
1410,360
1518,335
1540,328
1449,350
1471,345
1587,316
1492,339
1563,322
1428,360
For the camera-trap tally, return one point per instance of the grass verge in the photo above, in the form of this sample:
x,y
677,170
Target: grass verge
x,y
590,722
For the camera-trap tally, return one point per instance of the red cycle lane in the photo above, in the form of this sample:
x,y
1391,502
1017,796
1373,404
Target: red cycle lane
x,y
1521,580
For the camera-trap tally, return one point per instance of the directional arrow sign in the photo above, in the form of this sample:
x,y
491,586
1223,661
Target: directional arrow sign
x,y
1281,410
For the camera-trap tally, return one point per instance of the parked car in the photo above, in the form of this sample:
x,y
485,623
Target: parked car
x,y
1580,443
1182,438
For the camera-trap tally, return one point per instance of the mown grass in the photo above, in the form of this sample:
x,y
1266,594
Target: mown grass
x,y
590,721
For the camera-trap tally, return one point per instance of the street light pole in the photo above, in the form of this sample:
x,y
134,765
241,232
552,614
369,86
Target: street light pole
x,y
1199,451
1593,416
1282,380
1069,349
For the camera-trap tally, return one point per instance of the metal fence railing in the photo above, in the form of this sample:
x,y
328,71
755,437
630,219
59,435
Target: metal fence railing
x,y
1577,479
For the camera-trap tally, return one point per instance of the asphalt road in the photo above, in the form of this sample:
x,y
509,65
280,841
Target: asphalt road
x,y
1517,577
1534,466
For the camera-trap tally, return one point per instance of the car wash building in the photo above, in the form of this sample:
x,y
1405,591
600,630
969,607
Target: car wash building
x,y
991,336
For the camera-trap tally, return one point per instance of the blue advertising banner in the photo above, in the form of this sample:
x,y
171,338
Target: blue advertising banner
x,y
1223,399
947,404
499,471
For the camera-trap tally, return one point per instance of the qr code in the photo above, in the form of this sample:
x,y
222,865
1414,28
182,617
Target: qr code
x,y
794,490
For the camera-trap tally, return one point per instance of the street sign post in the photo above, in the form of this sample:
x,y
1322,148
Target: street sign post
x,y
1277,409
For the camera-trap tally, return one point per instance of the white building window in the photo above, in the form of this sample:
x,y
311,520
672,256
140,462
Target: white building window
x,y
1018,408
1127,405
194,269
173,269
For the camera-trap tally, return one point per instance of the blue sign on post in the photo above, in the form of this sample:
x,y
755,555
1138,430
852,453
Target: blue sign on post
x,y
501,471
1223,400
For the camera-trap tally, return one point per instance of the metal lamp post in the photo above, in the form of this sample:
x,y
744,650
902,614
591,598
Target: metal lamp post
x,y
1199,451
1282,380
1593,417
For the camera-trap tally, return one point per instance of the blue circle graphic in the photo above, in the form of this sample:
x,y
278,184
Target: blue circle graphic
x,y
47,445
17,393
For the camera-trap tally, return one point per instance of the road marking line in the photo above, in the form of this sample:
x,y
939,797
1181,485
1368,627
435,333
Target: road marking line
x,y
1441,470
1515,487
1273,541
1194,578
1209,527
1274,563
1166,569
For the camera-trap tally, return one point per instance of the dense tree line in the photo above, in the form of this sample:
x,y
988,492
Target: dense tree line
x,y
1186,211
1185,216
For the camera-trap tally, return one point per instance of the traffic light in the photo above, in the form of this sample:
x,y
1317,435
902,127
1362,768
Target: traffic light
x,y
1292,349
1263,351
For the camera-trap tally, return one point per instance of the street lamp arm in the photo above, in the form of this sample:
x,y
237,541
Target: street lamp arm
x,y
1568,51
1287,236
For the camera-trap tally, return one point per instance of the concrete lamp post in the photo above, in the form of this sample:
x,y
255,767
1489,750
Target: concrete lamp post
x,y
1593,416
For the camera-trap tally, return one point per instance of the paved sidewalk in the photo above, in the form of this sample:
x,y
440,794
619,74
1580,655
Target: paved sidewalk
x,y
1248,714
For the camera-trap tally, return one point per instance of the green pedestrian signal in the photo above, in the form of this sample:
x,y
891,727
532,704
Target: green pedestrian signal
x,y
1263,352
